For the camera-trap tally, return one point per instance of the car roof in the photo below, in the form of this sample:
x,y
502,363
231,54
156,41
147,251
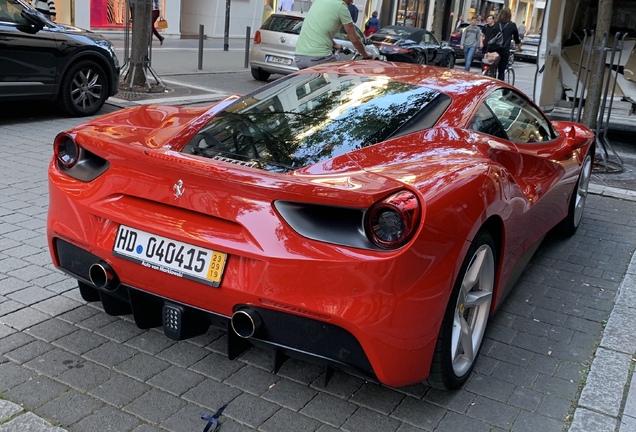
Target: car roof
x,y
405,28
292,14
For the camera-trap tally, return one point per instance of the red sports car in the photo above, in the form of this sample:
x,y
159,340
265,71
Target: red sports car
x,y
367,215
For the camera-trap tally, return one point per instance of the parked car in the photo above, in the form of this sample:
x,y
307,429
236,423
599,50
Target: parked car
x,y
529,48
44,60
412,45
275,42
455,41
368,215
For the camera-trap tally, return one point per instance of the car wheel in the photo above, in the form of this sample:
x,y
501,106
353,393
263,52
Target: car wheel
x,y
421,59
466,316
451,61
571,223
260,74
84,89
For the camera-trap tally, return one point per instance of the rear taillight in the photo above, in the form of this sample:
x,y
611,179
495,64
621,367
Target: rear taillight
x,y
257,37
66,150
391,223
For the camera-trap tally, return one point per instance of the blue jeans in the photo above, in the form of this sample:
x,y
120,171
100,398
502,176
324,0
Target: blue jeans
x,y
469,53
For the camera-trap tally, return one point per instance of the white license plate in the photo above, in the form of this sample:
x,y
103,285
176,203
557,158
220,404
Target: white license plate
x,y
278,60
170,256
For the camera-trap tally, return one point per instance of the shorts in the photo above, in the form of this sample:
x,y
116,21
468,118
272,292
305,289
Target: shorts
x,y
303,62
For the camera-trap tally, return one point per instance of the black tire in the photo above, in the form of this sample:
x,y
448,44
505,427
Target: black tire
x,y
260,75
466,314
510,76
570,224
421,59
450,64
84,89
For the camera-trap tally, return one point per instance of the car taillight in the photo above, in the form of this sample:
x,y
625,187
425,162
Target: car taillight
x,y
391,223
456,34
66,150
257,37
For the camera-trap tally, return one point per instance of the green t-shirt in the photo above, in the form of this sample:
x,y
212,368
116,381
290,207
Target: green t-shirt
x,y
323,21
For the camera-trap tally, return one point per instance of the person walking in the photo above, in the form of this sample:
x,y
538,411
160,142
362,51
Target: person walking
x,y
471,40
46,7
156,11
509,31
522,30
315,43
353,10
460,21
486,32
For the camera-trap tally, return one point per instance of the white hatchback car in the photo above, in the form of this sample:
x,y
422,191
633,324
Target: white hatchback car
x,y
275,43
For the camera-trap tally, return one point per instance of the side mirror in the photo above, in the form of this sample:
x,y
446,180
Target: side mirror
x,y
33,18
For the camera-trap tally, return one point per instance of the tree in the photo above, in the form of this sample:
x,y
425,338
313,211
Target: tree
x,y
137,72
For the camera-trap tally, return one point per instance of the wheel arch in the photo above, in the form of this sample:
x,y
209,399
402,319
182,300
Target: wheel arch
x,y
97,57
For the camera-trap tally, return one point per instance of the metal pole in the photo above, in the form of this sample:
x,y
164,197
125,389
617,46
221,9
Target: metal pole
x,y
248,32
226,33
200,46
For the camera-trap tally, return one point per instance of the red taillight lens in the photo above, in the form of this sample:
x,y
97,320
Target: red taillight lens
x,y
257,37
456,34
392,222
66,150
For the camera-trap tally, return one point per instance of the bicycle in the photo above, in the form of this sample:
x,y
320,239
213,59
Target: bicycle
x,y
490,62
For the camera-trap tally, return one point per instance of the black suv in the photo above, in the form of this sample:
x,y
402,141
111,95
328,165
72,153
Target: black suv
x,y
43,60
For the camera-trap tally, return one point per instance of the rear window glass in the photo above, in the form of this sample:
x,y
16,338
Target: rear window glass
x,y
303,119
285,24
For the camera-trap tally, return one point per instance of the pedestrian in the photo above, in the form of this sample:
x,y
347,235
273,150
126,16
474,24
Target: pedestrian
x,y
486,32
46,7
353,10
471,39
372,25
522,30
510,32
460,21
315,43
156,11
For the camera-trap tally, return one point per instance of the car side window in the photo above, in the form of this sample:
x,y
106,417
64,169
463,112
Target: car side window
x,y
520,119
10,11
486,122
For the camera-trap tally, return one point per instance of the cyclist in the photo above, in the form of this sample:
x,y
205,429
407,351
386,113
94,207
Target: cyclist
x,y
509,31
315,43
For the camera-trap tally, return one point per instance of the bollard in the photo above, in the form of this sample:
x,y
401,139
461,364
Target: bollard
x,y
248,31
200,46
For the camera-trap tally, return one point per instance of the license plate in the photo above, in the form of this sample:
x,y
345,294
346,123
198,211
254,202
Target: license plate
x,y
278,60
170,256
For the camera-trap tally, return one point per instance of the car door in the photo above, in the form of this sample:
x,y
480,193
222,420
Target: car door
x,y
28,57
431,44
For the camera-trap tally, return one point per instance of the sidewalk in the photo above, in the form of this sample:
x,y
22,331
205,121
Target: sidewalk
x,y
558,355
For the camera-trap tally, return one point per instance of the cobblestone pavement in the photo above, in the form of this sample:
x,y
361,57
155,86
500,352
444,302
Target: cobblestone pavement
x,y
65,364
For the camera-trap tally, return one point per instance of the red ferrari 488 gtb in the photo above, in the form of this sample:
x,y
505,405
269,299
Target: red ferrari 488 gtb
x,y
364,215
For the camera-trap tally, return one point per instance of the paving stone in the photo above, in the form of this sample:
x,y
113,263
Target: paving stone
x,y
150,342
96,321
252,380
608,367
69,408
57,305
8,410
377,398
461,423
12,375
29,272
586,421
565,389
155,405
50,330
24,318
142,366
120,330
290,394
490,387
9,306
298,370
369,421
28,352
216,366
458,401
110,353
35,392
530,422
289,421
183,354
250,410
29,422
54,362
176,380
85,376
514,374
188,419
211,394
329,409
80,341
119,390
11,284
419,413
78,315
14,341
555,408
106,420
341,384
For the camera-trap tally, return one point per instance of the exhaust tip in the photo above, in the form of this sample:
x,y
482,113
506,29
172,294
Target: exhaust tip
x,y
246,322
102,275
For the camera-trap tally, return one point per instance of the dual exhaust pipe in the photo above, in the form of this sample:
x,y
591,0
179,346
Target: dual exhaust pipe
x,y
245,322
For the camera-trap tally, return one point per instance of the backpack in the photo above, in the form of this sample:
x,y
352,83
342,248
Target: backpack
x,y
497,41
